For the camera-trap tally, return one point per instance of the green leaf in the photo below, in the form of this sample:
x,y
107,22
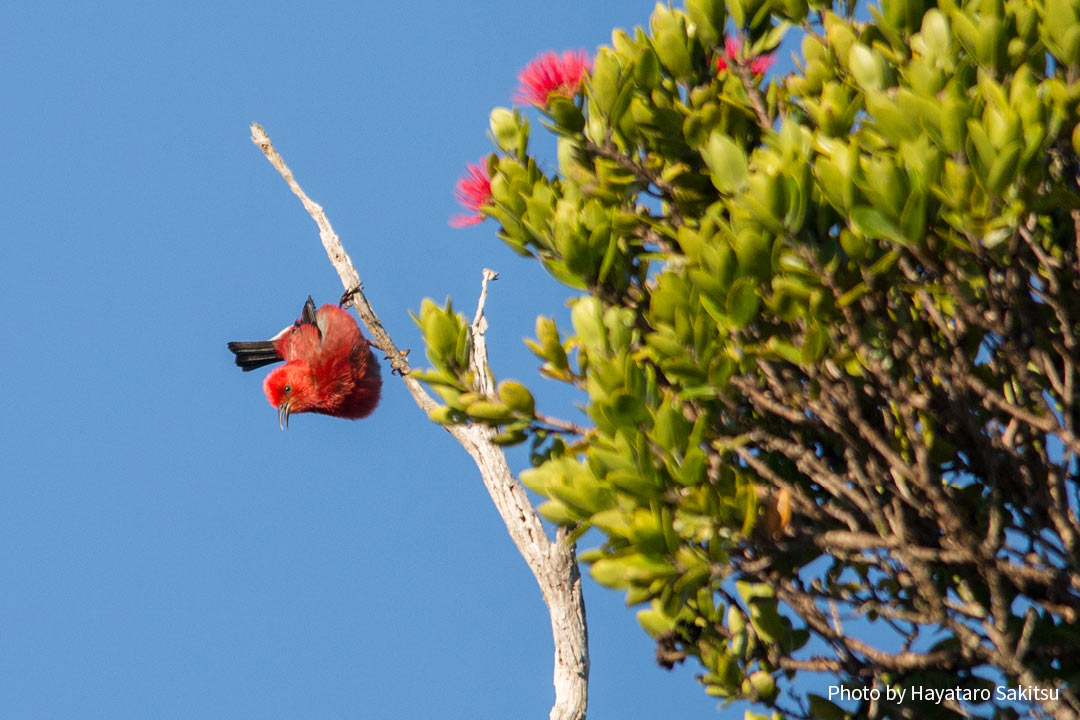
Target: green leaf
x,y
709,17
505,439
670,41
872,224
604,82
764,684
487,411
954,116
738,13
567,115
784,349
589,325
753,250
935,33
506,129
896,125
437,377
984,150
554,511
446,415
655,622
647,68
867,66
517,397
990,42
822,709
742,301
855,245
913,218
1003,170
837,186
619,572
726,161
766,621
441,332
749,592
814,344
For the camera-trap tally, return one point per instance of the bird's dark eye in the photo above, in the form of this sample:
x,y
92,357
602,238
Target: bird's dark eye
x,y
288,388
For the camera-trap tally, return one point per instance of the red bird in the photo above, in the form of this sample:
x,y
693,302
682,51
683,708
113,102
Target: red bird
x,y
329,367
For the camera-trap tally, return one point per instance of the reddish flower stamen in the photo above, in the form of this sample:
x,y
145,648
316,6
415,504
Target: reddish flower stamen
x,y
551,74
732,46
758,64
761,64
473,191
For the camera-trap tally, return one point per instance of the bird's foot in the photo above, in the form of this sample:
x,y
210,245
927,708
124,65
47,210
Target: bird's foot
x,y
347,296
396,367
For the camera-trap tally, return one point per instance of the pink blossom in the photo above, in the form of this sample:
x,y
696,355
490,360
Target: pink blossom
x,y
758,64
732,46
473,191
550,73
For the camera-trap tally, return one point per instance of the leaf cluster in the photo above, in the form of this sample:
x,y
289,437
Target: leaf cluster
x,y
827,341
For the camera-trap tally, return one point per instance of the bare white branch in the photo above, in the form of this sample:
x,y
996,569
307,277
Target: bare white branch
x,y
478,357
553,563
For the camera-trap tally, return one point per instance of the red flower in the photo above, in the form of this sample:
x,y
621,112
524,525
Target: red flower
x,y
732,45
473,191
549,74
758,64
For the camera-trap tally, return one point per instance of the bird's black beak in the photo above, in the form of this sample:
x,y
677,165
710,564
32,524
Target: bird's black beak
x,y
283,415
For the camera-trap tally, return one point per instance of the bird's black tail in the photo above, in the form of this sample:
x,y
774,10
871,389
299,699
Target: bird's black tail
x,y
251,355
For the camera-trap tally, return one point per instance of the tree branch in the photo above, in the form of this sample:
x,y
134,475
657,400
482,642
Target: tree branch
x,y
747,78
553,564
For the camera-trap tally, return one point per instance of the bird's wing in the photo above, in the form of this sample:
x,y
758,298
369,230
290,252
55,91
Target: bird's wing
x,y
303,339
339,336
308,316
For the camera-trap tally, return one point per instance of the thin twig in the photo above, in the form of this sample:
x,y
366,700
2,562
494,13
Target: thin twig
x,y
608,150
478,358
557,425
344,266
747,78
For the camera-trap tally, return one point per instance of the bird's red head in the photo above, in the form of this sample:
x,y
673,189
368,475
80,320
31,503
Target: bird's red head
x,y
291,389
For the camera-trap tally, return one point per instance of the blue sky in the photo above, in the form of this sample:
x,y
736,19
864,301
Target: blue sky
x,y
165,550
